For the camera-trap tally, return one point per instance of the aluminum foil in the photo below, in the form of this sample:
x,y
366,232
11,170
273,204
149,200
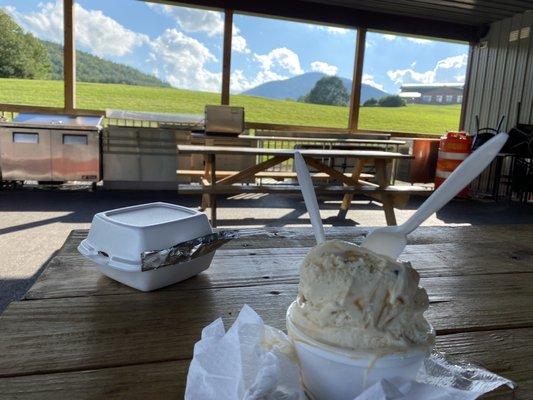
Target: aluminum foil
x,y
191,249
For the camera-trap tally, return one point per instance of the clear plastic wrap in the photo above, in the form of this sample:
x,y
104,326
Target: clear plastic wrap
x,y
253,361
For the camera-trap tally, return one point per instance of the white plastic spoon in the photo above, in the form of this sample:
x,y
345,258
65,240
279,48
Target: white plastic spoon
x,y
391,240
308,192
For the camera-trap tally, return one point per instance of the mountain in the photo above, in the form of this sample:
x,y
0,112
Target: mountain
x,y
294,88
90,68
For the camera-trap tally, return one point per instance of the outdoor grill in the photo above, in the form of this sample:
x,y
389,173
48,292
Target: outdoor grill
x,y
50,148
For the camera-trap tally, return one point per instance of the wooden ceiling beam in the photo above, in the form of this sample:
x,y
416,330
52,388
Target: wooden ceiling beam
x,y
345,16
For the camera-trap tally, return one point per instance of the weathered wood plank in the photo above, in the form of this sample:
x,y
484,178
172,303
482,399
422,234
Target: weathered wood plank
x,y
166,380
72,275
506,352
521,235
160,381
262,174
321,190
107,331
69,274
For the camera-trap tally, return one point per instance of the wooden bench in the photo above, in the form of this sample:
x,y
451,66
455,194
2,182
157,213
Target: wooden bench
x,y
276,175
399,194
235,188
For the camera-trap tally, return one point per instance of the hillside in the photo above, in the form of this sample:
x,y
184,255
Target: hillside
x,y
413,118
90,68
300,85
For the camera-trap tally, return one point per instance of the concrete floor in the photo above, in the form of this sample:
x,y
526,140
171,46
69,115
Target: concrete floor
x,y
34,222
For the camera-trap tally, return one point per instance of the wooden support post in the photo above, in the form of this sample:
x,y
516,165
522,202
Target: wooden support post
x,y
386,199
356,80
462,118
226,56
348,197
213,196
205,181
69,52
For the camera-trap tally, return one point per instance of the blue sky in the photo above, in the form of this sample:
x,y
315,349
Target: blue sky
x,y
184,45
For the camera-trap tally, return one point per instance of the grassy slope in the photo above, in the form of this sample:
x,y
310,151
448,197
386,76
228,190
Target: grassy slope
x,y
413,118
90,68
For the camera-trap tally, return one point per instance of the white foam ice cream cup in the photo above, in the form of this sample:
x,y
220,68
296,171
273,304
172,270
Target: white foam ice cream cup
x,y
330,372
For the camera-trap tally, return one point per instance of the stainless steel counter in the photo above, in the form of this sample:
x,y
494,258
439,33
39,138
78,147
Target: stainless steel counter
x,y
52,148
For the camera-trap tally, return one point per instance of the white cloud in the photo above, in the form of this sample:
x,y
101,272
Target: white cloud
x,y
332,30
336,30
101,34
369,80
320,66
418,40
453,62
240,82
388,36
280,63
439,73
460,78
238,42
280,59
183,61
193,19
406,75
46,22
105,36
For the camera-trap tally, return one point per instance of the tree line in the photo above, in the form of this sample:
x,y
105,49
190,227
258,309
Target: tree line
x,y
331,91
24,56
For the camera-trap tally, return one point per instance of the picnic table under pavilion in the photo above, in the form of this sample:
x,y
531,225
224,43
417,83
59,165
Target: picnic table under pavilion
x,y
238,181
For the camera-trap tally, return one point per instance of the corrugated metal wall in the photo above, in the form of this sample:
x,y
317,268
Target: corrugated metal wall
x,y
502,75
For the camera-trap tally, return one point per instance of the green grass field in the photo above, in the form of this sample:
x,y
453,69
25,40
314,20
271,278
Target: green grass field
x,y
413,118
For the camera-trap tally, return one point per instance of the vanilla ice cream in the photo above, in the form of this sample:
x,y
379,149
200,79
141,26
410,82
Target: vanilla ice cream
x,y
353,298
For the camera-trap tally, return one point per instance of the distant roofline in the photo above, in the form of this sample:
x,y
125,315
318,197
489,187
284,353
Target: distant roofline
x,y
410,94
432,85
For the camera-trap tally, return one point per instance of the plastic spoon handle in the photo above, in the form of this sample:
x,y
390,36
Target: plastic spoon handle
x,y
465,173
308,192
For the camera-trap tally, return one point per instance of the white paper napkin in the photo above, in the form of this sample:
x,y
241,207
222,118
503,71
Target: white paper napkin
x,y
253,361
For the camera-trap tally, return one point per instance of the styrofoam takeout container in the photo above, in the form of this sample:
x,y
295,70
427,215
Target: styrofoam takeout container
x,y
118,237
329,372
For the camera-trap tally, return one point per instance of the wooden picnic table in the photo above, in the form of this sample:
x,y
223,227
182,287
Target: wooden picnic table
x,y
79,335
211,186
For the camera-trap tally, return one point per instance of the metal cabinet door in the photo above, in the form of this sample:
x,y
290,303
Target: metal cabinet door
x,y
75,155
25,154
121,155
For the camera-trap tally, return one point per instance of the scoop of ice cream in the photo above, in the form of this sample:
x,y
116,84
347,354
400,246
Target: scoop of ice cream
x,y
352,297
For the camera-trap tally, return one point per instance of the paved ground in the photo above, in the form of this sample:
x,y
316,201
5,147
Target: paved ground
x,y
35,222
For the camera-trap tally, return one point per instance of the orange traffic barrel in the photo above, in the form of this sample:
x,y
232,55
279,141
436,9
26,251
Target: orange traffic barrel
x,y
454,147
